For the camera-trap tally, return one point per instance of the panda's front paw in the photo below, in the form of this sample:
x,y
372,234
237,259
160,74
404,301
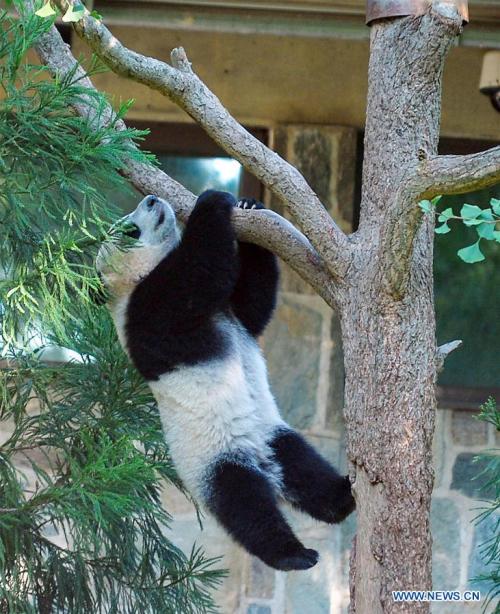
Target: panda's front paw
x,y
249,203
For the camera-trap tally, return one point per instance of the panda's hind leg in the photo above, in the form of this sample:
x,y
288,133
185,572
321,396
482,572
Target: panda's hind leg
x,y
243,501
311,483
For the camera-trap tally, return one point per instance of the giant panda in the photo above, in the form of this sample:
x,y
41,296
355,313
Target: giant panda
x,y
188,308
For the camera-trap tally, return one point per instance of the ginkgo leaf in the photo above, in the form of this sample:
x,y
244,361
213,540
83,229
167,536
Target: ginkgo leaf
x,y
443,229
445,215
486,231
46,11
471,254
74,13
425,205
470,213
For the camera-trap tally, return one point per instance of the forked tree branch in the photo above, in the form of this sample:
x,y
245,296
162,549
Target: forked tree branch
x,y
181,85
459,174
266,228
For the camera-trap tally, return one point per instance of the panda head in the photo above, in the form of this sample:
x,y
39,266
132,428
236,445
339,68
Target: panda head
x,y
154,227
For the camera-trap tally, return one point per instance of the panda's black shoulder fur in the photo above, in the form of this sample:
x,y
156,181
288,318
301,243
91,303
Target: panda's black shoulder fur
x,y
172,312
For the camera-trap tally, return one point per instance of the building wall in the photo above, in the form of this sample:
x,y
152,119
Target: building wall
x,y
266,79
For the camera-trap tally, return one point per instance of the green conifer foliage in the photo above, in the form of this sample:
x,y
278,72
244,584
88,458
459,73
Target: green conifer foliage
x,y
82,458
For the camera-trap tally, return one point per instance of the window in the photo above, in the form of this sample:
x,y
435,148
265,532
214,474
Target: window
x,y
467,301
188,155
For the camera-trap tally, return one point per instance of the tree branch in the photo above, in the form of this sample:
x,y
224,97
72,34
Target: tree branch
x,y
266,228
181,85
459,174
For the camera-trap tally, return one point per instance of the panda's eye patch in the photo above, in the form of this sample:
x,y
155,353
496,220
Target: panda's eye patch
x,y
133,231
160,221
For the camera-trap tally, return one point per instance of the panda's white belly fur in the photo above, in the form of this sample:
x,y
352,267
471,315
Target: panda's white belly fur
x,y
220,407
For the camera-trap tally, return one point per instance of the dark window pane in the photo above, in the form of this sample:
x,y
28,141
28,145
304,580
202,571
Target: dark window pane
x,y
196,173
201,173
468,300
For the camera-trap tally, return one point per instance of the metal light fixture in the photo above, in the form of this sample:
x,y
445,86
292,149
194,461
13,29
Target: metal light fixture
x,y
489,83
381,9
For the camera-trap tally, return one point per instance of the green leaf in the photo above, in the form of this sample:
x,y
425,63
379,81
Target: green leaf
x,y
12,291
96,15
46,10
487,214
471,254
486,231
425,205
74,13
435,200
445,215
470,212
496,235
442,230
495,205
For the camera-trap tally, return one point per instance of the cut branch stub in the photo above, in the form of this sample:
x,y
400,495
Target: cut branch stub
x,y
382,9
443,351
180,60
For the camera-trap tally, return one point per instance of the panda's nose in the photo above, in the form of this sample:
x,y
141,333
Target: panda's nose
x,y
151,201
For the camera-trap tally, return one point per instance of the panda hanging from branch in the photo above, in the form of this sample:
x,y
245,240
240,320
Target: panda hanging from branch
x,y
188,309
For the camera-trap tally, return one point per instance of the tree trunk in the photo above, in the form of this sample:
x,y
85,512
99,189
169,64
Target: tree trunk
x,y
390,402
388,318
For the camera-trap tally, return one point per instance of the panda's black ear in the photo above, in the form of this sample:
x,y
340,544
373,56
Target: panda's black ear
x,y
99,295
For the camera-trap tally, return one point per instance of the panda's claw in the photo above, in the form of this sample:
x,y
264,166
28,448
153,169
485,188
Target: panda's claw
x,y
249,203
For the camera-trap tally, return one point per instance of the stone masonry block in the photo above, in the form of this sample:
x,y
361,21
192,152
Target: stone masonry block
x,y
326,156
260,579
292,349
468,476
467,430
445,524
335,403
309,591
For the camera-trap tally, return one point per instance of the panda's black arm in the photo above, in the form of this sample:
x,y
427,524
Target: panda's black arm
x,y
198,277
254,297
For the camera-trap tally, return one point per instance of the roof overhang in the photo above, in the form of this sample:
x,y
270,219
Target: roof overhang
x,y
343,19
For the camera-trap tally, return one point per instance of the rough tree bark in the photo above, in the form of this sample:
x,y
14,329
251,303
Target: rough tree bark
x,y
388,318
379,278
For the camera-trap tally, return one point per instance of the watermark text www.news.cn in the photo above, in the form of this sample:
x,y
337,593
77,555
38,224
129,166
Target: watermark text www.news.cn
x,y
436,595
